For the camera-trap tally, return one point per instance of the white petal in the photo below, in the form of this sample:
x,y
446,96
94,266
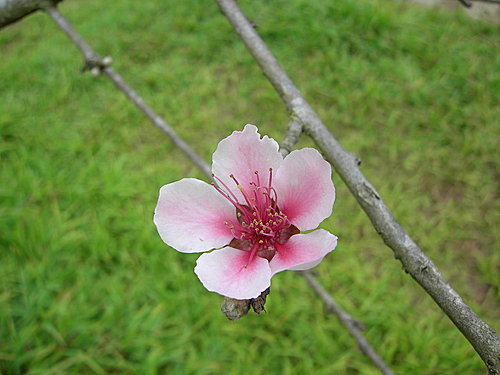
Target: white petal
x,y
190,216
228,272
303,251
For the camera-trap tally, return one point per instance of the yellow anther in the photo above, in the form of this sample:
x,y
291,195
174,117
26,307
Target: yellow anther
x,y
231,226
239,187
254,214
225,222
261,241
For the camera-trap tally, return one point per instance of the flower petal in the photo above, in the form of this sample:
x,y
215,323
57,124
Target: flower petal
x,y
303,251
305,188
243,153
227,272
190,216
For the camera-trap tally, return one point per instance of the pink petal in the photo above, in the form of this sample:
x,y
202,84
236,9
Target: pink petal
x,y
243,153
227,272
305,188
303,251
190,216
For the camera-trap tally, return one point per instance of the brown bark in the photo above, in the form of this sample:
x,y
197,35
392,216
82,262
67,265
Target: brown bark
x,y
13,10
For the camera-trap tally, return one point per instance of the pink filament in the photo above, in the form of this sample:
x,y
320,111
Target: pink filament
x,y
260,220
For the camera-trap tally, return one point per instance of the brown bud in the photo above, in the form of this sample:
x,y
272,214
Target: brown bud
x,y
233,309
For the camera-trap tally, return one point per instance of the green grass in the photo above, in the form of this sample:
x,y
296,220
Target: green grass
x,y
88,287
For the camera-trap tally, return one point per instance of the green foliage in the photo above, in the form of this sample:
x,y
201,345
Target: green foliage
x,y
87,286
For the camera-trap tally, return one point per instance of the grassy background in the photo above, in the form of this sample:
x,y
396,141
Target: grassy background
x,y
87,286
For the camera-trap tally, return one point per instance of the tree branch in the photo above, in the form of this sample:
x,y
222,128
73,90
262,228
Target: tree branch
x,y
13,10
482,337
94,61
293,134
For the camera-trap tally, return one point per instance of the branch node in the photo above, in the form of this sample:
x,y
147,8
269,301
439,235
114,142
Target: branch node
x,y
96,65
368,193
357,160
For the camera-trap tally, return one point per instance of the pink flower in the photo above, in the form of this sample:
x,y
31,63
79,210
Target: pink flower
x,y
254,213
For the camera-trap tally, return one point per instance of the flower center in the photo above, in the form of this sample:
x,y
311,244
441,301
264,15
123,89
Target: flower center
x,y
260,222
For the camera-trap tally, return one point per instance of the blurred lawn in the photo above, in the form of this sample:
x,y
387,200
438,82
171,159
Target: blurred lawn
x,y
87,286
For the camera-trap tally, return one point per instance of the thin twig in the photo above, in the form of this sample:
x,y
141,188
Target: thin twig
x,y
482,337
292,136
353,326
93,60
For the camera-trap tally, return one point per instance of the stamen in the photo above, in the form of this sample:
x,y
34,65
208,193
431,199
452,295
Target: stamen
x,y
259,219
225,186
258,179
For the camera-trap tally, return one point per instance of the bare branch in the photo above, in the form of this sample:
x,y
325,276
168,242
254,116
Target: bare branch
x,y
13,10
292,137
353,326
94,61
482,337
